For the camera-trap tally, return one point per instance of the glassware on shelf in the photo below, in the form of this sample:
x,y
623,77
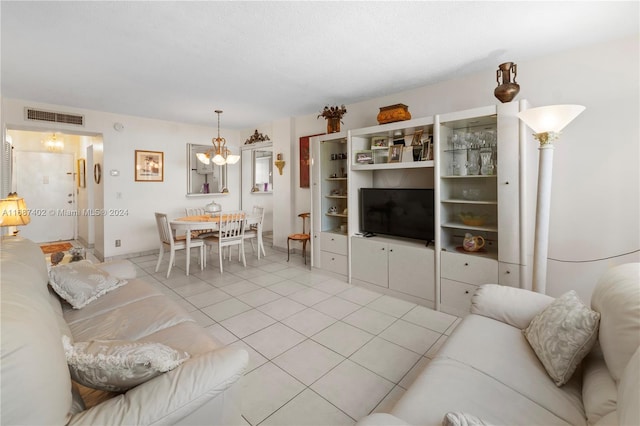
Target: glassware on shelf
x,y
486,157
473,161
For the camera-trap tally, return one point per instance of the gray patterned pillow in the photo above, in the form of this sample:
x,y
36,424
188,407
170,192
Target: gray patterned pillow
x,y
80,283
118,365
562,335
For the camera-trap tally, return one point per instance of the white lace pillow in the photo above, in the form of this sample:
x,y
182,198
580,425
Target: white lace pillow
x,y
118,365
454,418
562,335
80,283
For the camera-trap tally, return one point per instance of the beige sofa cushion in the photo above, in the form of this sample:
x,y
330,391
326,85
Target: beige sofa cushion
x,y
36,387
629,392
80,283
616,297
599,391
562,335
118,365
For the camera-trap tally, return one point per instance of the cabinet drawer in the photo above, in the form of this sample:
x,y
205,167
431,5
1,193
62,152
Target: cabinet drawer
x,y
509,274
334,243
469,268
456,295
334,262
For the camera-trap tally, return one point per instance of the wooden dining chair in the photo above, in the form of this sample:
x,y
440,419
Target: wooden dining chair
x,y
230,233
254,231
169,241
198,211
304,237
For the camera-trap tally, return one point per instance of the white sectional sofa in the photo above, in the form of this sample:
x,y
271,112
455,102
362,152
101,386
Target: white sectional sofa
x,y
488,370
37,388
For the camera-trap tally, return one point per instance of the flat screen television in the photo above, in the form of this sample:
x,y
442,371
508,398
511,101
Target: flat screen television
x,y
399,212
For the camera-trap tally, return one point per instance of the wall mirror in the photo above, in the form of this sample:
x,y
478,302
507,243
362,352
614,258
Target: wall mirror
x,y
262,166
202,179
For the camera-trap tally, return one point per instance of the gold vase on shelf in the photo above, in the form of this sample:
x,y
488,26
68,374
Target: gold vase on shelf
x,y
333,115
507,90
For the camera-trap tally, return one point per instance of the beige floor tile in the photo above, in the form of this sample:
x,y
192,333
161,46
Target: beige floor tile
x,y
336,307
281,308
247,323
309,321
287,287
410,336
428,318
308,409
225,309
342,338
308,361
385,359
208,297
391,306
274,340
408,378
359,295
390,400
353,389
309,296
369,320
259,297
266,389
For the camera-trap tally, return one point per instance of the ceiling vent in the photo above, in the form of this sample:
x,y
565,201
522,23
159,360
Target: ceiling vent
x,y
53,117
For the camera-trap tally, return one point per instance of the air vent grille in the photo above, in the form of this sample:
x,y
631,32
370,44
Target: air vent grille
x,y
54,117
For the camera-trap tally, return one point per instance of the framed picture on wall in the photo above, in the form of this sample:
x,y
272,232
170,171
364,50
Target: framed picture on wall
x,y
304,161
149,166
82,173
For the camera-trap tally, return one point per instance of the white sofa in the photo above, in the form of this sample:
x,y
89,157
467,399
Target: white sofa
x,y
487,368
36,384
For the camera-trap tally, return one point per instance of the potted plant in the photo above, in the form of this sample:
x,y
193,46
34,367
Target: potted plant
x,y
333,115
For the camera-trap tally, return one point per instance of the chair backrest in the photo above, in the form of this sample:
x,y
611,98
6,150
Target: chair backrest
x,y
258,211
194,211
231,225
304,217
164,230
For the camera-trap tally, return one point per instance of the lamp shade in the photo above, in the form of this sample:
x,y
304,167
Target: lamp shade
x,y
232,159
13,211
203,157
552,118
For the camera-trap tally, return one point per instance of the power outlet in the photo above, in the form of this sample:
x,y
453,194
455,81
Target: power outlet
x,y
117,243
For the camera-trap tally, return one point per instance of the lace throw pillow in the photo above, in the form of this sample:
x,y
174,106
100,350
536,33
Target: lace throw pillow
x,y
80,283
118,365
462,419
562,335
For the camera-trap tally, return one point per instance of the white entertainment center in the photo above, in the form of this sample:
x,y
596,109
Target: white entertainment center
x,y
475,172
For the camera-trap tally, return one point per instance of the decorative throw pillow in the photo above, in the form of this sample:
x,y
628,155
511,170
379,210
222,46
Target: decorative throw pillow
x,y
80,283
562,335
462,419
118,365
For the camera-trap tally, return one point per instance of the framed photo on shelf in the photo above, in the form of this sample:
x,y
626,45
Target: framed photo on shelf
x,y
395,153
364,157
379,142
82,173
417,136
149,166
427,149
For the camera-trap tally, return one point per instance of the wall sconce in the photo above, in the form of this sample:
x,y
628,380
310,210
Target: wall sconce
x,y
279,163
13,212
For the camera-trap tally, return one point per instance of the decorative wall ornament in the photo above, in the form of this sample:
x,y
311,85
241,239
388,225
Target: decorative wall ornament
x,y
393,113
256,137
279,163
507,90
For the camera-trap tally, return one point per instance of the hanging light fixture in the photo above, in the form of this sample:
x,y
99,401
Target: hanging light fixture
x,y
53,144
219,154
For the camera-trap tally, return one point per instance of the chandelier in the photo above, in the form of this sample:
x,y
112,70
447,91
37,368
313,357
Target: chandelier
x,y
219,154
53,144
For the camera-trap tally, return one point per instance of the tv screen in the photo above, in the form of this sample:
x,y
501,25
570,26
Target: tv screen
x,y
400,212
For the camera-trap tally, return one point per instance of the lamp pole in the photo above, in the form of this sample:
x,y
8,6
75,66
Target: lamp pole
x,y
547,122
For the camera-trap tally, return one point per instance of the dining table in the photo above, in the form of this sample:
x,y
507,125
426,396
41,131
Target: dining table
x,y
206,222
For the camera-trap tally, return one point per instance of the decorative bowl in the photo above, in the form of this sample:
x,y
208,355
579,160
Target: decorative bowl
x,y
473,219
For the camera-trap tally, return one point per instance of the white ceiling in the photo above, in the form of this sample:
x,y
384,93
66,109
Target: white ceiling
x,y
260,61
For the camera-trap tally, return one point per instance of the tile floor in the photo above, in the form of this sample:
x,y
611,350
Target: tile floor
x,y
322,352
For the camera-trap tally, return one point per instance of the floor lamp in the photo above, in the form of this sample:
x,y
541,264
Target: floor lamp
x,y
546,122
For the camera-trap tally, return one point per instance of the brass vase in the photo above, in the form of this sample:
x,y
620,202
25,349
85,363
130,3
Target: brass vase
x,y
507,90
333,124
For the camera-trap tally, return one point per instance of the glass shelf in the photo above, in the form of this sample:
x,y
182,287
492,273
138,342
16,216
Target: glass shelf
x,y
460,225
342,197
481,202
336,215
337,178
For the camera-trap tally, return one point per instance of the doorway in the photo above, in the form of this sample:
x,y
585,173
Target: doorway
x,y
46,181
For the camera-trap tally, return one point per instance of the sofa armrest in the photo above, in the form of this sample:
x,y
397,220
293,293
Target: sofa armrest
x,y
173,395
513,306
119,268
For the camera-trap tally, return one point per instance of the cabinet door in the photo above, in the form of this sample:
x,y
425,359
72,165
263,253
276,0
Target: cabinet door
x,y
369,261
411,271
334,243
508,183
334,262
468,268
455,297
509,274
